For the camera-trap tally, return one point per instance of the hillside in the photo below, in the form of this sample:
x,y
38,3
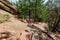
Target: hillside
x,y
11,28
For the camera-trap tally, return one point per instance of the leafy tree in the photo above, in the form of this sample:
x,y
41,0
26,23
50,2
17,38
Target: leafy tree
x,y
32,9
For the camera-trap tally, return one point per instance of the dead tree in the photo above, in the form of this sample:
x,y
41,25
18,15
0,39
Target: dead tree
x,y
56,23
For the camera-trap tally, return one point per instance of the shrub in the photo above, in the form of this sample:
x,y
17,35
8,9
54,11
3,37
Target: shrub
x,y
4,18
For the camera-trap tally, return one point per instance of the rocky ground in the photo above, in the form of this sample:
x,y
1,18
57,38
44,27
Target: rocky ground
x,y
14,29
17,30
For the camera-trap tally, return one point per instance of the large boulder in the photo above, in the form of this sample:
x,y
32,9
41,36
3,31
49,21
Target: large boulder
x,y
8,7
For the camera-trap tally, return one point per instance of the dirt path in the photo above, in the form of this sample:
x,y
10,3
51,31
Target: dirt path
x,y
15,25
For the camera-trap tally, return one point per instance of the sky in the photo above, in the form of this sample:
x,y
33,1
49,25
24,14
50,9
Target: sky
x,y
13,0
45,1
17,0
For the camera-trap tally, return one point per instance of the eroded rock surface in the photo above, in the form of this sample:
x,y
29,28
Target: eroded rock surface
x,y
17,30
8,7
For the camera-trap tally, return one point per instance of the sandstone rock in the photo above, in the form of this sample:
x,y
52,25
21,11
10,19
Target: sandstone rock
x,y
3,39
8,7
35,36
5,35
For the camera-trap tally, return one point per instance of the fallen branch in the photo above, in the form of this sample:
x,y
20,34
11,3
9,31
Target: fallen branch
x,y
34,27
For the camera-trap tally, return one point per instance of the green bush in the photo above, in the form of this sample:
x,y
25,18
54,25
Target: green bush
x,y
34,8
4,18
